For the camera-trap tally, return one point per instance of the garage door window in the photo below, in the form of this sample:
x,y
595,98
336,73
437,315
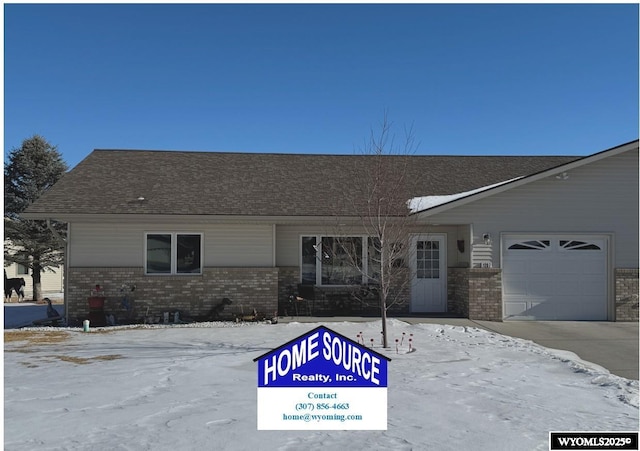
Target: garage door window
x,y
537,245
579,246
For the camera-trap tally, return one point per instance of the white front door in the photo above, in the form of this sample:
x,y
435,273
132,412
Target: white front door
x,y
428,273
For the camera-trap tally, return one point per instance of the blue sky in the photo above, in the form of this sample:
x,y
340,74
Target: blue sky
x,y
472,79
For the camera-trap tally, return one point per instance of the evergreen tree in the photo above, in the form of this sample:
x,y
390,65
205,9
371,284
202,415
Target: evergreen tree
x,y
31,170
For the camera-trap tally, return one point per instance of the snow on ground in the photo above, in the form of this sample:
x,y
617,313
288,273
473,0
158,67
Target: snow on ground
x,y
187,387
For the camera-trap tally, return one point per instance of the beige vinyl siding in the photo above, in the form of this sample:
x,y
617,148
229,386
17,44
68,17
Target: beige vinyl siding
x,y
288,241
52,282
600,197
106,245
225,245
239,245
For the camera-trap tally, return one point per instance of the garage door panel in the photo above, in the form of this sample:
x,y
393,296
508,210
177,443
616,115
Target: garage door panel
x,y
515,308
540,267
567,267
536,310
532,286
580,310
541,287
566,288
589,311
592,266
519,266
550,311
515,287
558,277
567,310
594,287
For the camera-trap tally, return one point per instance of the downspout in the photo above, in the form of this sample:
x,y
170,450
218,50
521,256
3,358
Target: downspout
x,y
273,245
65,266
471,246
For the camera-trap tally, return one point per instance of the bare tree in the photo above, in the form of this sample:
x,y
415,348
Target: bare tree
x,y
379,194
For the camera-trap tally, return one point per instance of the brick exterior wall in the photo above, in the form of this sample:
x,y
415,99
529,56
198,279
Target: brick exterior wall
x,y
402,295
485,285
474,293
288,276
458,291
485,294
248,289
477,293
626,294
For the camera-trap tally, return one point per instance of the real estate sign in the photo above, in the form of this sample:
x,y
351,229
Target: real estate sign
x,y
322,381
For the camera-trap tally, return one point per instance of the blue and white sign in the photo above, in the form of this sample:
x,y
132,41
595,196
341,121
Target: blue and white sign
x,y
322,380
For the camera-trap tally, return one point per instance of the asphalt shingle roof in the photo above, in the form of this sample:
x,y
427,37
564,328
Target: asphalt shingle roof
x,y
216,183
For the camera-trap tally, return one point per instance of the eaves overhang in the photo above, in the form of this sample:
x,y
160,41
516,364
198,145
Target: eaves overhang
x,y
113,218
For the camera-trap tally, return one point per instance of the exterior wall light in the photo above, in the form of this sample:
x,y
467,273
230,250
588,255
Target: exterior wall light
x,y
487,238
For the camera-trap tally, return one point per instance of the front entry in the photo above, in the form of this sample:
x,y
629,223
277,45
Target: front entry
x,y
428,273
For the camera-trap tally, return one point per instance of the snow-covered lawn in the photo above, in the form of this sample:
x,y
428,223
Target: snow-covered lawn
x,y
187,388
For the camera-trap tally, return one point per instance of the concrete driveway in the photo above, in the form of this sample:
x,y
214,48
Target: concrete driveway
x,y
613,346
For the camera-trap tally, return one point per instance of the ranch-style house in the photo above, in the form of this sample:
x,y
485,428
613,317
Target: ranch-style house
x,y
494,237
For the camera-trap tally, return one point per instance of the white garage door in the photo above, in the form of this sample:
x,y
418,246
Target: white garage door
x,y
554,277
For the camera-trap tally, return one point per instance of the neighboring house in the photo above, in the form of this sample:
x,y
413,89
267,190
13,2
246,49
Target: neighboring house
x,y
504,237
52,282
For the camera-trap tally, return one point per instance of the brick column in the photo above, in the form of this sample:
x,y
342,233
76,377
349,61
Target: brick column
x,y
485,294
626,294
458,291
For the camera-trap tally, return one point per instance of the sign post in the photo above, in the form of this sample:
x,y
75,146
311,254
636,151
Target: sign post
x,y
322,380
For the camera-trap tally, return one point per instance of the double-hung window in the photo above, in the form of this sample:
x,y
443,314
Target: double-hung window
x,y
173,253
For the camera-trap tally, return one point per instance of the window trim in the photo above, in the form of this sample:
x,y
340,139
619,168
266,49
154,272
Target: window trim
x,y
174,254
